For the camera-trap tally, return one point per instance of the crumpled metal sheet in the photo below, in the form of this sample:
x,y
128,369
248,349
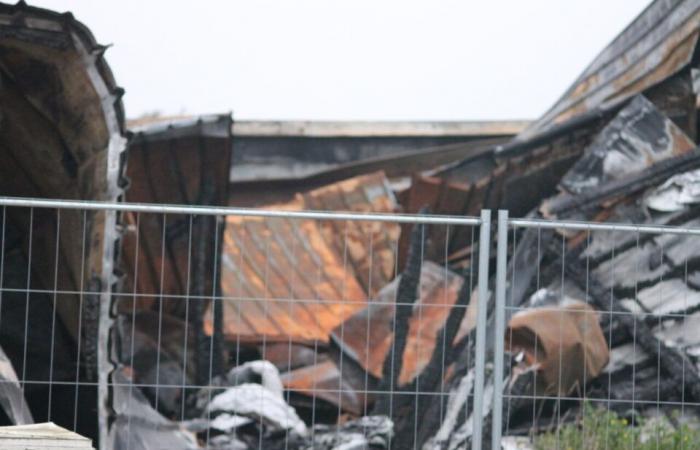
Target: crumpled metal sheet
x,y
259,403
370,247
639,136
368,335
678,193
295,280
323,381
564,343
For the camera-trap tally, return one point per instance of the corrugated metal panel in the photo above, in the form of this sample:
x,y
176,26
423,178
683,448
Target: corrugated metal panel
x,y
184,163
296,280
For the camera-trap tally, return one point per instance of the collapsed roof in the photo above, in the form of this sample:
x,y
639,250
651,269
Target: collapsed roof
x,y
607,150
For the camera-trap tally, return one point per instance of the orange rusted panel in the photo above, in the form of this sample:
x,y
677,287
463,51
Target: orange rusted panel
x,y
323,381
368,335
295,280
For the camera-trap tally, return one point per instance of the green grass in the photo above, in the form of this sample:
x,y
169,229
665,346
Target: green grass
x,y
599,429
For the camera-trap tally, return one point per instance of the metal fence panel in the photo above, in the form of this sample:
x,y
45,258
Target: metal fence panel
x,y
597,323
305,307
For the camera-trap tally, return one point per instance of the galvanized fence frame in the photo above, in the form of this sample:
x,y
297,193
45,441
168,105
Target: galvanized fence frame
x,y
501,312
105,294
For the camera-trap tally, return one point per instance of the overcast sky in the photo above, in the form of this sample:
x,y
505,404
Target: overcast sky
x,y
350,59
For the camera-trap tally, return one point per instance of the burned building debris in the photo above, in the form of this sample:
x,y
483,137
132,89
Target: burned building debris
x,y
167,258
63,137
273,329
274,160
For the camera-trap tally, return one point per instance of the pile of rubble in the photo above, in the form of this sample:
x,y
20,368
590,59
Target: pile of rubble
x,y
244,409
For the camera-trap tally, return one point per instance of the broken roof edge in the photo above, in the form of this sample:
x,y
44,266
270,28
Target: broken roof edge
x,y
67,23
517,146
359,129
393,165
655,27
209,125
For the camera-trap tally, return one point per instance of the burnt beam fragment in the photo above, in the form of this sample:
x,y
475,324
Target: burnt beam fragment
x,y
653,176
406,296
433,375
209,357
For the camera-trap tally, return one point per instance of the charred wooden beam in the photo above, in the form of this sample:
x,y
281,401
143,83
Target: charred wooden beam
x,y
406,296
432,377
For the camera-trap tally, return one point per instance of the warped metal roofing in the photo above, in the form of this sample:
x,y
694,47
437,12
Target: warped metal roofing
x,y
659,43
368,335
286,279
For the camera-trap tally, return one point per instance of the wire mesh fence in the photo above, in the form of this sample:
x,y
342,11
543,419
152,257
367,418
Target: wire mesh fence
x,y
297,329
598,324
51,286
230,326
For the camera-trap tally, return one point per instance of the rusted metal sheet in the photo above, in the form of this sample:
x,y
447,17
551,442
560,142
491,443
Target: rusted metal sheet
x,y
565,345
367,336
171,259
282,280
176,162
288,356
323,381
296,280
370,246
658,44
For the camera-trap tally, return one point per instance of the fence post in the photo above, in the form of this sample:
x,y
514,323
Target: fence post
x,y
499,337
482,302
104,328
